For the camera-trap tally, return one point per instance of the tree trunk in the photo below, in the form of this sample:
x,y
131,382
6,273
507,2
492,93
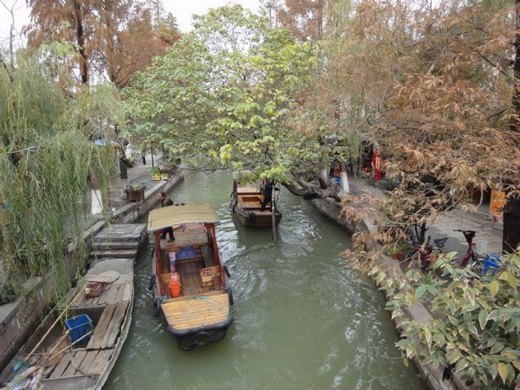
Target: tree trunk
x,y
318,188
515,116
511,228
109,50
80,38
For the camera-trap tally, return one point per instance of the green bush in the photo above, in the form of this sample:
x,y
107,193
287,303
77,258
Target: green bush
x,y
8,293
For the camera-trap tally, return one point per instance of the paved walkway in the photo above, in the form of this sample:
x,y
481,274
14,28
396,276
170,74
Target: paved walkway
x,y
489,233
140,173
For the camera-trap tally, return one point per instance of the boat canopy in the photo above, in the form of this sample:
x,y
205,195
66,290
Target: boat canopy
x,y
177,215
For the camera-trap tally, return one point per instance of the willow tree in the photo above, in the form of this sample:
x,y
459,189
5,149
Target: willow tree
x,y
46,155
225,92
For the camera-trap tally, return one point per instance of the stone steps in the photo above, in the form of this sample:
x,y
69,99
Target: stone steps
x,y
114,245
118,254
120,241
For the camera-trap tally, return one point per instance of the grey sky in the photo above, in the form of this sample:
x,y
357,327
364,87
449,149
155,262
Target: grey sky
x,y
181,9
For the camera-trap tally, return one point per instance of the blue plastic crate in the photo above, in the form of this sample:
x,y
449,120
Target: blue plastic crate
x,y
186,252
79,326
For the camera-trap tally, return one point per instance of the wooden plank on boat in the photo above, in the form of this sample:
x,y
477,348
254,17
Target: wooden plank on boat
x,y
187,298
62,366
88,361
198,311
101,328
248,190
100,362
48,371
114,328
71,383
75,363
125,293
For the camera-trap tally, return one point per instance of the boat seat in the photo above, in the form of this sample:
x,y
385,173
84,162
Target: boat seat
x,y
208,274
207,253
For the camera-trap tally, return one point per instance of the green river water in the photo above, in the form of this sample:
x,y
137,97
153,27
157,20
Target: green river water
x,y
302,320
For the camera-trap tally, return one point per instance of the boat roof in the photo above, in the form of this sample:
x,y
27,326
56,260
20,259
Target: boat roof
x,y
177,215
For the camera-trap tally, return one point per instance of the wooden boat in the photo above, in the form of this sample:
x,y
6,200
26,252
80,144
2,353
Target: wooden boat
x,y
189,283
246,205
76,348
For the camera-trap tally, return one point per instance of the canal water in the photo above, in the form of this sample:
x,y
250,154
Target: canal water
x,y
302,320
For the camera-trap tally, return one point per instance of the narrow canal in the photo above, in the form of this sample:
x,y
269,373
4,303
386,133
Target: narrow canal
x,y
302,318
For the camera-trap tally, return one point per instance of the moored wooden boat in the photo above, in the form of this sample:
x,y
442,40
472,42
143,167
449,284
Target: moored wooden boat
x,y
76,348
189,282
246,205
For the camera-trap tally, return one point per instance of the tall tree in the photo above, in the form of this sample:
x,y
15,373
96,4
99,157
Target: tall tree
x,y
113,39
61,21
304,18
225,92
432,86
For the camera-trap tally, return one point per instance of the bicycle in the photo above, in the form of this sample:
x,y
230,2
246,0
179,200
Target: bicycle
x,y
427,253
470,254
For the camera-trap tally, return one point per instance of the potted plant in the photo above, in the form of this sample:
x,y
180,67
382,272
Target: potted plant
x,y
156,173
135,193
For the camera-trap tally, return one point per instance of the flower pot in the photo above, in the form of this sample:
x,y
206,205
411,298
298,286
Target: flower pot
x,y
135,195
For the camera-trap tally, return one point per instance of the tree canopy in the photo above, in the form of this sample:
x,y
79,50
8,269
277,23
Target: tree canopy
x,y
111,39
226,91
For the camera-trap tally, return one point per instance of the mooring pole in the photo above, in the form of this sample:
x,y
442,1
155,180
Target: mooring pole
x,y
273,212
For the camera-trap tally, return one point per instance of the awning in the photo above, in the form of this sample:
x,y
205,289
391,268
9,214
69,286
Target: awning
x,y
177,215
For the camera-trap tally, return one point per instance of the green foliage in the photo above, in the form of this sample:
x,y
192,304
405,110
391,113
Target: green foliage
x,y
476,320
46,155
8,293
227,94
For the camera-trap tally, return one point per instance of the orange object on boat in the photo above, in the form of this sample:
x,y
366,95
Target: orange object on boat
x,y
175,285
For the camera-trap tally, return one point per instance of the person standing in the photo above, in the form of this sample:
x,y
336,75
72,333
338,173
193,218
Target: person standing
x,y
268,194
123,173
143,155
165,201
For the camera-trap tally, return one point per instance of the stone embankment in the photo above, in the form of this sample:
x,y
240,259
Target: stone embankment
x,y
18,319
489,237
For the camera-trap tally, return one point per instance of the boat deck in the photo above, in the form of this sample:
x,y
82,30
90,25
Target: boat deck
x,y
196,311
251,201
79,363
191,234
